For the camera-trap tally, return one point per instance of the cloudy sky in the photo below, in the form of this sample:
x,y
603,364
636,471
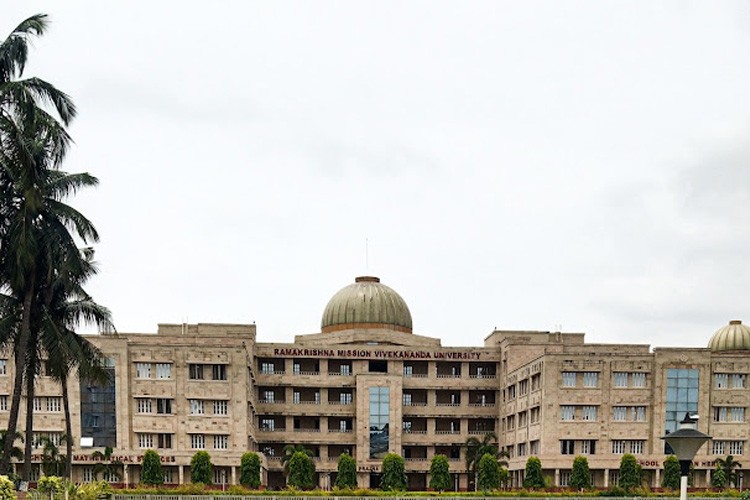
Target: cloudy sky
x,y
518,165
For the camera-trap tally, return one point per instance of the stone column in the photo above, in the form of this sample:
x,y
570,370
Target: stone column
x,y
234,475
557,477
180,475
606,478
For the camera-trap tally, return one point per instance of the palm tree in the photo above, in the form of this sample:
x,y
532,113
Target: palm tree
x,y
289,451
728,465
32,145
15,451
105,465
52,462
476,449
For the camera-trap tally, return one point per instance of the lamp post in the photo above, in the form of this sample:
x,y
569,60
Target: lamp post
x,y
685,443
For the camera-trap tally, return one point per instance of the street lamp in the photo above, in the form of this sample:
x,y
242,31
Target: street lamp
x,y
685,443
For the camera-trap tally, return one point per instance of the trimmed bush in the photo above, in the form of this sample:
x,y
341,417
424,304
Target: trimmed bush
x,y
533,477
580,477
346,476
394,473
671,478
201,468
151,471
301,471
250,470
489,473
440,476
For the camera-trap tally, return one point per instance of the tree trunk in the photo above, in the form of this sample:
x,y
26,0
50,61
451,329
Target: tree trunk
x,y
68,428
20,359
30,379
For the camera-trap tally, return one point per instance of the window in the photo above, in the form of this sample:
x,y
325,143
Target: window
x,y
591,379
269,396
720,413
163,371
534,447
197,441
589,412
536,382
735,447
636,447
721,380
534,415
296,397
345,398
620,379
196,407
567,447
195,372
638,379
220,407
267,368
37,404
408,370
522,419
88,474
296,368
407,399
343,426
345,370
379,419
521,449
3,366
565,478
569,379
145,441
511,422
739,380
164,441
523,387
618,446
267,424
219,372
718,447
619,413
407,426
737,414
220,475
3,403
143,405
112,476
221,442
168,475
588,447
567,412
638,413
512,392
164,406
54,404
143,370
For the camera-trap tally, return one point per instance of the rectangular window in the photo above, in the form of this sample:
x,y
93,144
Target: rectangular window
x,y
718,447
536,382
143,405
618,446
407,399
638,379
87,474
408,370
588,447
195,371
567,412
523,387
636,447
165,441
219,372
522,419
739,380
345,398
197,441
534,415
591,379
164,406
589,412
534,447
345,370
638,413
296,397
267,368
720,413
521,449
721,380
3,366
735,447
221,442
163,371
567,447
565,478
54,404
682,397
3,403
267,424
37,404
569,379
168,475
343,426
737,414
196,406
143,370
145,441
220,407
619,413
620,379
379,419
269,396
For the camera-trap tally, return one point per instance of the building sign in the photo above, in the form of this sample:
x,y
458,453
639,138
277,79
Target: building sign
x,y
126,459
373,353
368,468
657,463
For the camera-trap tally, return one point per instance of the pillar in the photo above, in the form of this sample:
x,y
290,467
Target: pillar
x,y
234,475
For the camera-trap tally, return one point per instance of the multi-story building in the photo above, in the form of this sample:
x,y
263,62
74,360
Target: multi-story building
x,y
366,385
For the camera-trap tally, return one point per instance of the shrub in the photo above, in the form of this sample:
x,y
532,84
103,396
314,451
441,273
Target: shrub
x,y
201,468
489,473
440,476
394,473
7,489
301,471
347,472
671,478
151,471
630,473
92,491
533,474
580,477
250,470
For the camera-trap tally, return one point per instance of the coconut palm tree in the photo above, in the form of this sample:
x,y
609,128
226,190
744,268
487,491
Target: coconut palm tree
x,y
289,451
476,449
15,451
106,465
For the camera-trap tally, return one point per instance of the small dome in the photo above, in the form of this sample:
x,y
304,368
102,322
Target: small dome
x,y
733,337
366,303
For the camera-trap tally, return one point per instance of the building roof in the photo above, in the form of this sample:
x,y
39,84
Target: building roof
x,y
366,303
733,337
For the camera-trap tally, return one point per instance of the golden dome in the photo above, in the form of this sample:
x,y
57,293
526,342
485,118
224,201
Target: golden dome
x,y
366,303
733,337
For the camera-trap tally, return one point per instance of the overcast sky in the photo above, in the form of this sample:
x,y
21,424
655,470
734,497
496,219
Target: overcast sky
x,y
519,165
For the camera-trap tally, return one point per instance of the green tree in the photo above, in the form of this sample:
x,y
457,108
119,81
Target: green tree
x,y
533,477
201,468
719,477
52,462
346,476
580,477
301,471
7,489
151,471
489,473
630,473
250,470
476,449
440,476
32,145
106,464
393,476
671,476
289,451
728,465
